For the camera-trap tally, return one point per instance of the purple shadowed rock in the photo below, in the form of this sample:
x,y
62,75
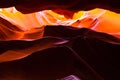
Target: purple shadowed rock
x,y
61,52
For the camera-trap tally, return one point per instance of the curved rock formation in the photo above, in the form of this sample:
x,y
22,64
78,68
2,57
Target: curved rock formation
x,y
67,51
76,46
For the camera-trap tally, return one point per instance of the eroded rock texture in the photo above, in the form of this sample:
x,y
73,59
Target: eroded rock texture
x,y
63,51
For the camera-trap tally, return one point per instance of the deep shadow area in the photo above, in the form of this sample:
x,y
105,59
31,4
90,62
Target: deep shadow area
x,y
87,54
